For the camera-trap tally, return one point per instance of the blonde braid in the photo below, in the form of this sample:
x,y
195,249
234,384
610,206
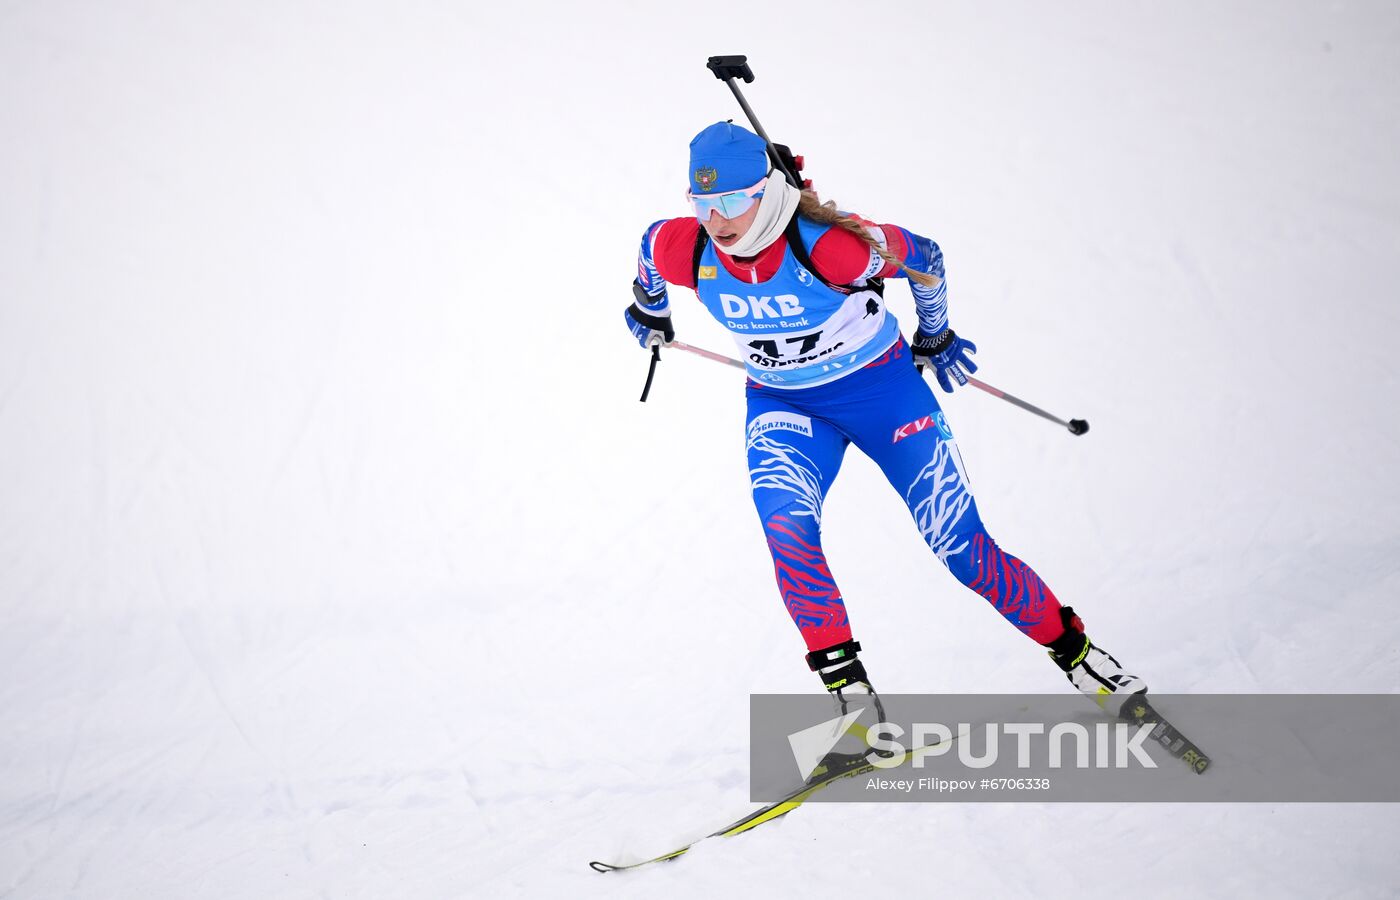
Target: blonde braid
x,y
812,207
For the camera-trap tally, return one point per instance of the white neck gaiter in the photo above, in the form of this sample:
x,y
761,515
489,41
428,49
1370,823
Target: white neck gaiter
x,y
775,208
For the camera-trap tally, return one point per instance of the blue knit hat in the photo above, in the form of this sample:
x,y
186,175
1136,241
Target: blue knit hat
x,y
726,157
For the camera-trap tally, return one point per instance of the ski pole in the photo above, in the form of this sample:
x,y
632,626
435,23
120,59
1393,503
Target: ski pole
x,y
656,346
1075,426
708,354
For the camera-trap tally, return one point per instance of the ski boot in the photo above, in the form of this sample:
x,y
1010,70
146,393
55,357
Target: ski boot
x,y
843,675
1096,674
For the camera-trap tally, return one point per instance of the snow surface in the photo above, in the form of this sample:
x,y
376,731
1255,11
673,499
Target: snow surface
x,y
338,559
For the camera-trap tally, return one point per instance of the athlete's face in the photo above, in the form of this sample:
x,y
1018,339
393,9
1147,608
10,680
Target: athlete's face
x,y
726,232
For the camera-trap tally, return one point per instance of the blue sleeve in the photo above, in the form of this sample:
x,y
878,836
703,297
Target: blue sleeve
x,y
931,303
647,275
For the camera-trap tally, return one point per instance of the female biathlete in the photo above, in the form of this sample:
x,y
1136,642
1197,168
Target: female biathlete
x,y
799,286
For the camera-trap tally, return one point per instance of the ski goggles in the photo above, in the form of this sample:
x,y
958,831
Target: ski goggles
x,y
730,204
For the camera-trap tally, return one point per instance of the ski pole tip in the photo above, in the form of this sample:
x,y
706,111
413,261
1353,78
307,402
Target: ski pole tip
x,y
1078,426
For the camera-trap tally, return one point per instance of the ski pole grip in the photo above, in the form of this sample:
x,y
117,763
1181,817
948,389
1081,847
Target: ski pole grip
x,y
727,67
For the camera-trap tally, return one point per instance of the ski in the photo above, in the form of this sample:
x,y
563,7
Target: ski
x,y
1139,712
821,778
1136,711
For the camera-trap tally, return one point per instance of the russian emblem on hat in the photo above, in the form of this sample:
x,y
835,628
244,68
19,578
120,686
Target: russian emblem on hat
x,y
706,178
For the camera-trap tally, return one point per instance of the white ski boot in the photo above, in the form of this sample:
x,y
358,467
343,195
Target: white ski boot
x,y
1097,675
843,675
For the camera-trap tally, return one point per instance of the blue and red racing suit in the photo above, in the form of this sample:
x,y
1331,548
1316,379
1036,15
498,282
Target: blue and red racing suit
x,y
828,368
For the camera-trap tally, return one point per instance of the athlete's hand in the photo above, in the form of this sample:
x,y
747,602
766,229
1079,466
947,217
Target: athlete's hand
x,y
947,353
649,318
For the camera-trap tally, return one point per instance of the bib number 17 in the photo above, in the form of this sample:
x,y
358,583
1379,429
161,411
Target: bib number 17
x,y
804,344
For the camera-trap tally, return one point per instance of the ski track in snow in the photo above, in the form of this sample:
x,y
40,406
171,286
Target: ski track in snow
x,y
337,558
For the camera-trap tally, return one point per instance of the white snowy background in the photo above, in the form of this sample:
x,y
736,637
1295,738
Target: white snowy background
x,y
338,558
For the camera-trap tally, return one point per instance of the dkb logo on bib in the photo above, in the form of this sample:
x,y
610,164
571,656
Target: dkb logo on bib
x,y
737,307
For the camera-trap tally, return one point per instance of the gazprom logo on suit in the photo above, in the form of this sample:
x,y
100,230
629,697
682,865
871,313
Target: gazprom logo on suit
x,y
736,307
780,421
